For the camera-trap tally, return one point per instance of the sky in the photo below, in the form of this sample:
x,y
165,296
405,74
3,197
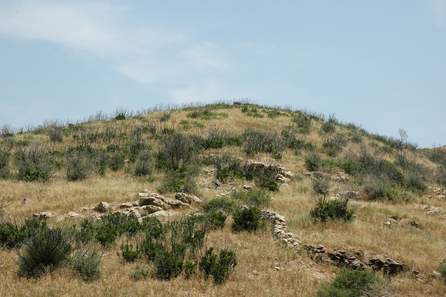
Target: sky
x,y
380,64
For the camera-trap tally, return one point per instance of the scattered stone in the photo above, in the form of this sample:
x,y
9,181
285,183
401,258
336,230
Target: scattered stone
x,y
387,265
73,214
102,207
348,195
147,209
435,274
126,205
152,199
43,215
187,198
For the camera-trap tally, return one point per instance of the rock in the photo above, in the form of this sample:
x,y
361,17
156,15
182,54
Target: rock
x,y
43,215
247,187
348,195
162,214
126,205
73,214
435,274
152,199
386,265
102,207
187,198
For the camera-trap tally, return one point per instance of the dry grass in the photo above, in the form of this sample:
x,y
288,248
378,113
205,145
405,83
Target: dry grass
x,y
422,249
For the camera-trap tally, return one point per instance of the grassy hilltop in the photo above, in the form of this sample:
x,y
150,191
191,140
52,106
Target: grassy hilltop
x,y
335,184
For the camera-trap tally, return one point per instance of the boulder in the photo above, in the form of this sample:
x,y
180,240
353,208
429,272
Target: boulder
x,y
126,205
152,199
147,209
187,198
386,265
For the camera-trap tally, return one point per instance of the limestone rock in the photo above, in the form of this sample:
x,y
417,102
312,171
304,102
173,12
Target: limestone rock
x,y
43,215
187,198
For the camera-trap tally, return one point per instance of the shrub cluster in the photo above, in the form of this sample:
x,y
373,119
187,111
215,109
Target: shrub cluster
x,y
263,142
248,219
4,163
219,266
331,210
33,163
303,122
352,283
13,235
87,262
77,165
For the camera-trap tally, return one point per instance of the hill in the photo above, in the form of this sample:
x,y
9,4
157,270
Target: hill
x,y
315,195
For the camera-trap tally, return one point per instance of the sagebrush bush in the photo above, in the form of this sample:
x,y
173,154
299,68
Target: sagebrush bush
x,y
45,251
77,166
415,183
130,252
253,197
87,262
331,210
329,126
144,164
182,180
333,145
227,167
379,189
248,219
220,138
352,283
321,186
303,122
312,162
4,163
268,182
33,163
190,268
55,134
140,273
116,160
293,143
263,142
215,219
169,262
177,150
219,266
152,227
226,205
13,235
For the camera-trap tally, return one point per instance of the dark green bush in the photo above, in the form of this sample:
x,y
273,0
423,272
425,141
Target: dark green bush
x,y
190,268
352,283
145,163
253,197
129,252
442,270
87,263
227,167
415,183
116,160
267,182
4,163
13,235
44,252
152,227
312,162
215,219
263,142
248,219
33,163
378,189
219,138
218,266
180,181
169,263
331,210
77,166
206,114
226,205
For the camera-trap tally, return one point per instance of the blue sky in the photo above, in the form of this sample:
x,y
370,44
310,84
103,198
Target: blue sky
x,y
380,64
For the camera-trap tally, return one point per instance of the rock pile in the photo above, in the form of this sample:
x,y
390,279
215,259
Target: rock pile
x,y
348,195
279,173
437,192
279,229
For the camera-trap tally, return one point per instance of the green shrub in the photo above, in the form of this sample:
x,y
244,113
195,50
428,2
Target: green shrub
x,y
152,227
292,142
263,142
227,167
116,160
100,162
169,263
215,219
55,134
303,122
13,235
4,163
352,283
253,197
206,114
248,219
312,162
129,252
190,268
77,166
415,183
226,205
45,251
378,189
145,163
442,270
177,150
33,163
267,182
87,263
321,186
140,273
219,138
331,210
180,181
329,126
334,145
218,266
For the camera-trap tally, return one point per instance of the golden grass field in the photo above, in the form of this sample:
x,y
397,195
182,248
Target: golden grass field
x,y
265,268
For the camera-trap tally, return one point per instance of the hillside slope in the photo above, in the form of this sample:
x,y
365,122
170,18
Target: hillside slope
x,y
394,190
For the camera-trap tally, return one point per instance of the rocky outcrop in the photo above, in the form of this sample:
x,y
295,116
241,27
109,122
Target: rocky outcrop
x,y
279,173
187,198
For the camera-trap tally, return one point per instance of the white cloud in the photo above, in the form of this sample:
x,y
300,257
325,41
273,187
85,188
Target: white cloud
x,y
147,54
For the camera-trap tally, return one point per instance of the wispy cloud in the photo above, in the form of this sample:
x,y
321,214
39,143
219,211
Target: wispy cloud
x,y
146,54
